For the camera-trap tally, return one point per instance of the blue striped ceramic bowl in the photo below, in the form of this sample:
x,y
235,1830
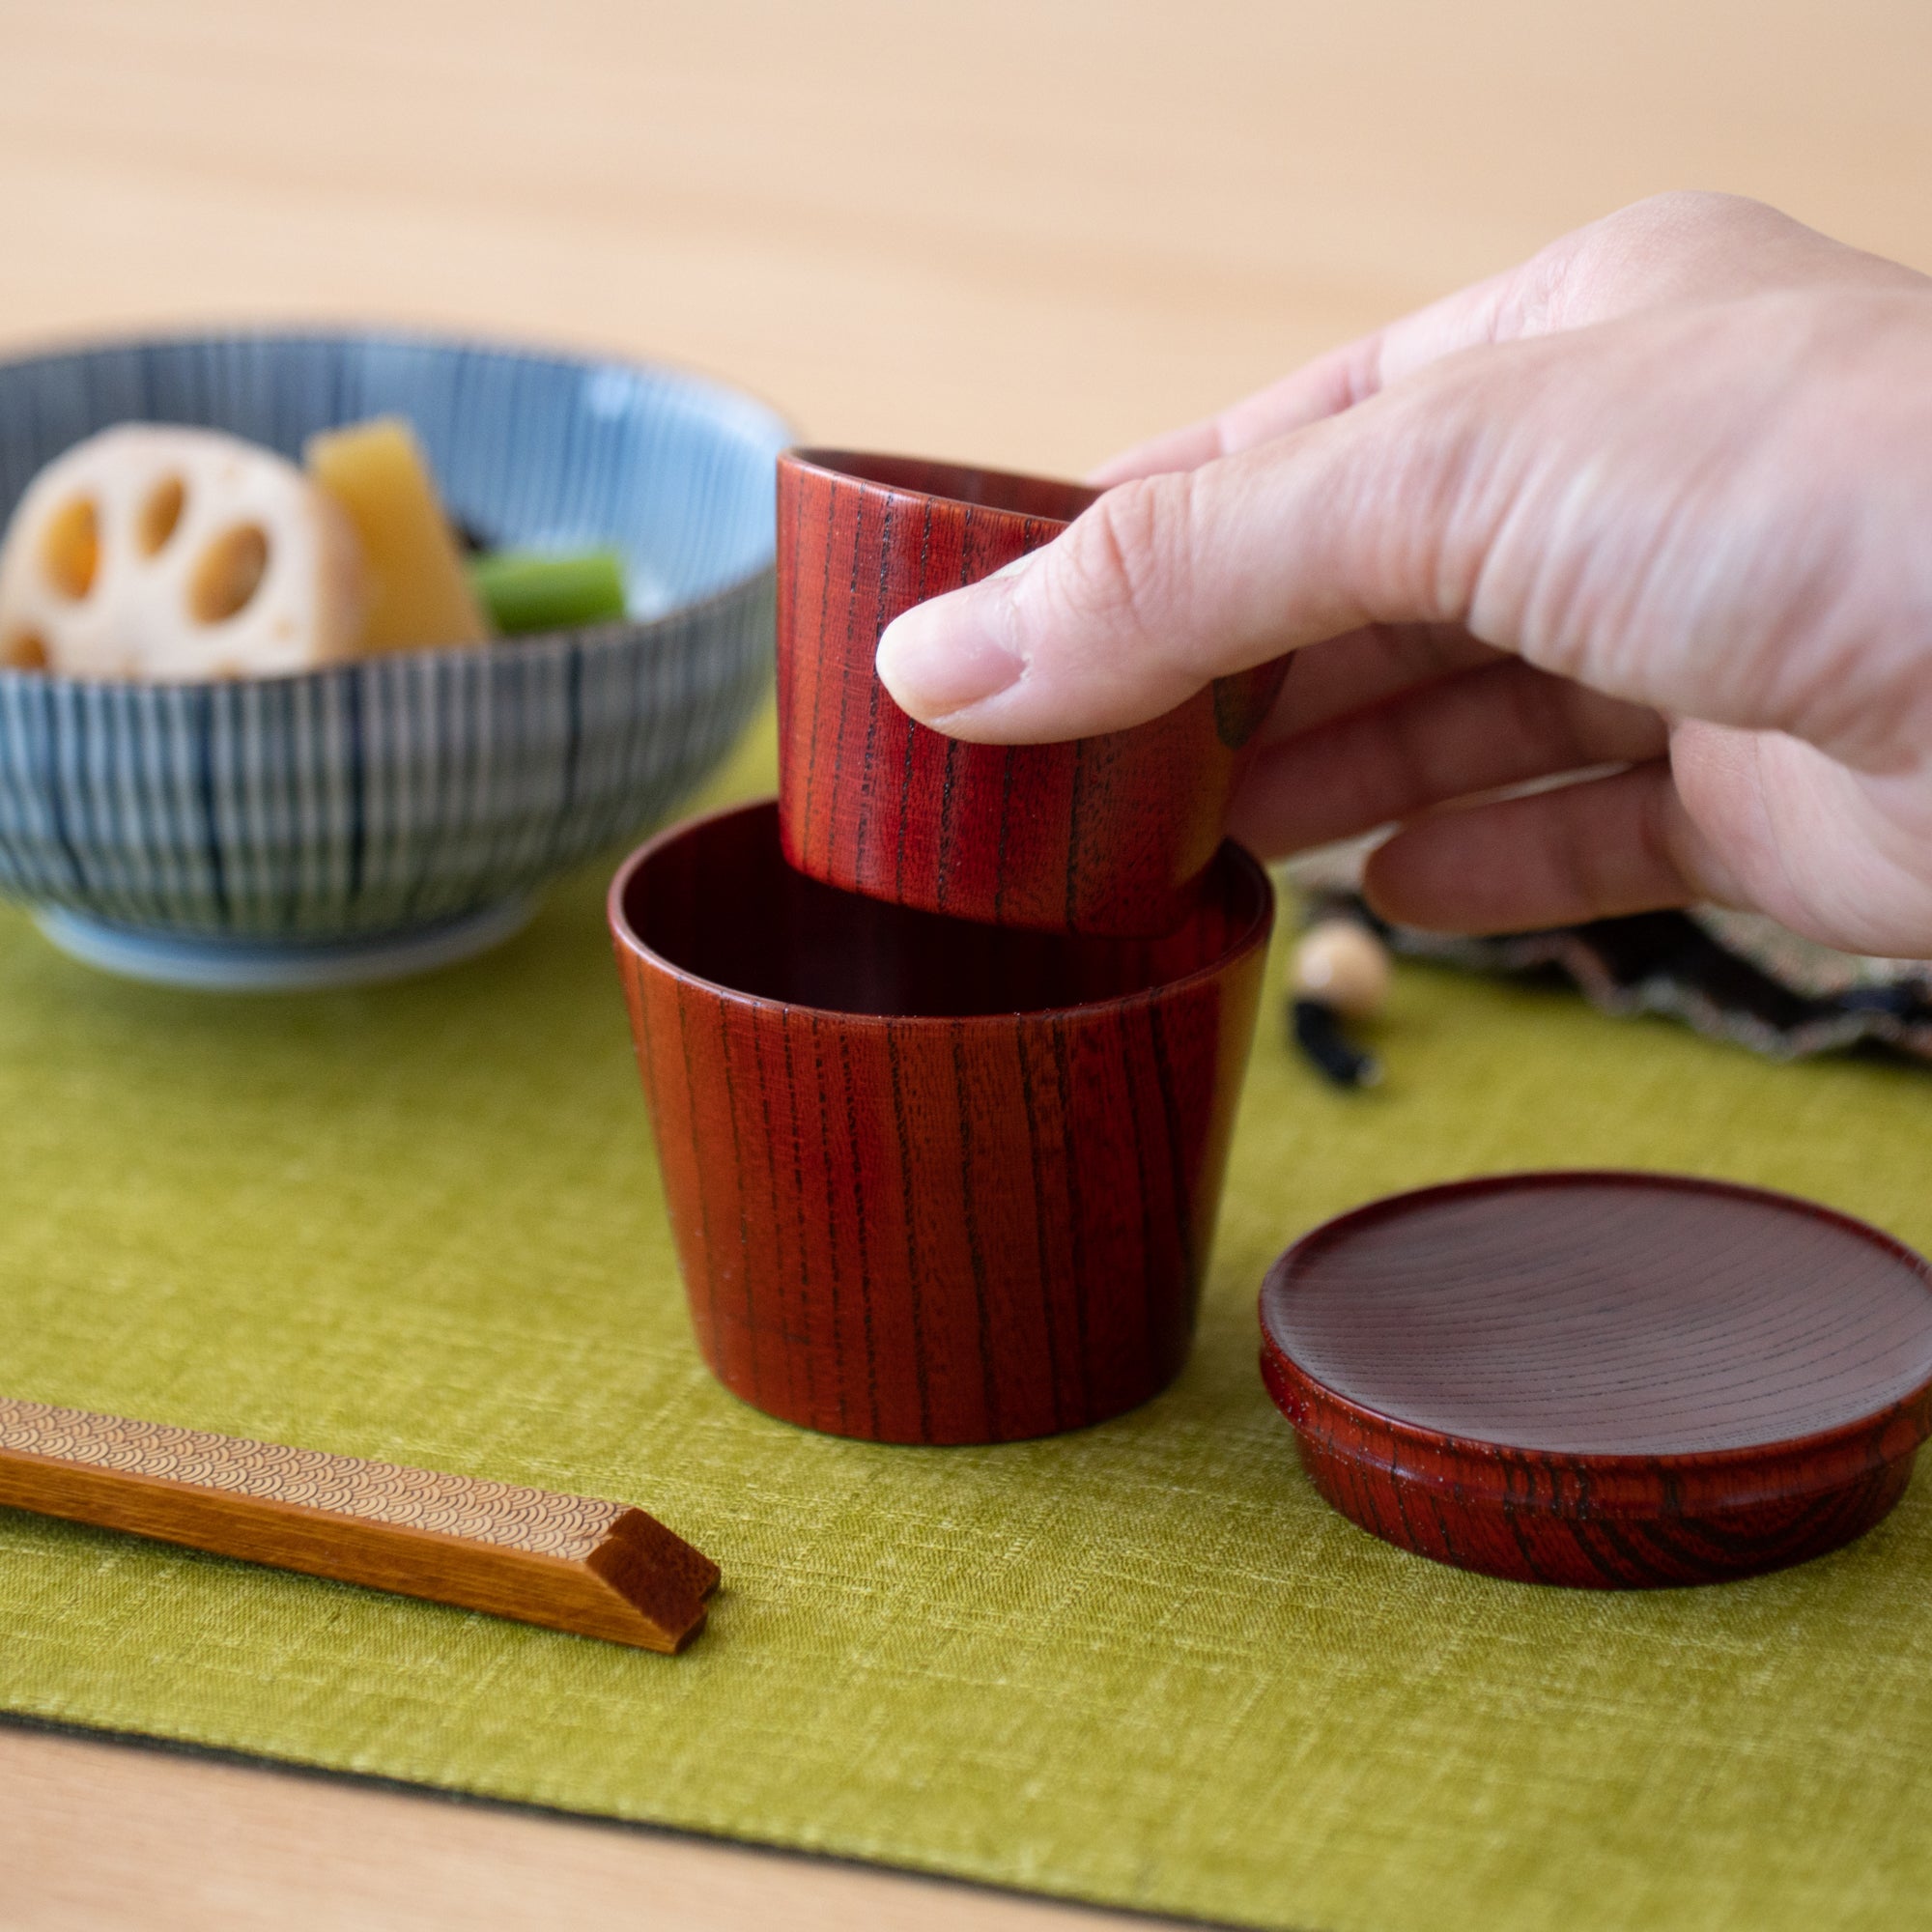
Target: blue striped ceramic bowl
x,y
380,817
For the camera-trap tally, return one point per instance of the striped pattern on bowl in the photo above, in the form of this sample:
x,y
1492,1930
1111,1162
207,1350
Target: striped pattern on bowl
x,y
404,791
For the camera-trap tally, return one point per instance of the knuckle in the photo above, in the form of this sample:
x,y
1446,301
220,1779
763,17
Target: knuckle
x,y
1680,207
1125,563
1601,268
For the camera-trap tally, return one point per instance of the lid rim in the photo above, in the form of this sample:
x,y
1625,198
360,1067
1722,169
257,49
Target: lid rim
x,y
1484,1457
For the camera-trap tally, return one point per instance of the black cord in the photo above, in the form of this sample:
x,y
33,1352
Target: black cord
x,y
1318,1031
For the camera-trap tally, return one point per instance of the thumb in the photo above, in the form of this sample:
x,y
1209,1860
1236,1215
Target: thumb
x,y
1169,582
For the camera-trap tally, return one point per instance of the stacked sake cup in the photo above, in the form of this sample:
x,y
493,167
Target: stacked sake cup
x,y
943,1046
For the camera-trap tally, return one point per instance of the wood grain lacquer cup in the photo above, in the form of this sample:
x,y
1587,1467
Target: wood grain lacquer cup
x,y
1103,835
931,1182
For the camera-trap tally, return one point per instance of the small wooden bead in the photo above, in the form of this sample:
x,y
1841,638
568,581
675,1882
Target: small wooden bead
x,y
1342,965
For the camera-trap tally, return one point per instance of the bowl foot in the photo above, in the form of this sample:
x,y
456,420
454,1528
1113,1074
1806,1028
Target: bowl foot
x,y
214,964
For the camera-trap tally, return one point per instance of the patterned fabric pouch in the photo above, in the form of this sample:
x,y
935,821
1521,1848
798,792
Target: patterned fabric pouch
x,y
1730,974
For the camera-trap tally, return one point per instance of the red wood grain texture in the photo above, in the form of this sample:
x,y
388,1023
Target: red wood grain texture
x,y
1105,835
1607,1380
930,1181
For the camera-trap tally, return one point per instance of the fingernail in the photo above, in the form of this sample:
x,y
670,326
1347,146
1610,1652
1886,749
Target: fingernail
x,y
942,657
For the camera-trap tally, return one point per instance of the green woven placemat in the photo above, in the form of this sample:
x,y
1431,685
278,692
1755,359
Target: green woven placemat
x,y
1144,1664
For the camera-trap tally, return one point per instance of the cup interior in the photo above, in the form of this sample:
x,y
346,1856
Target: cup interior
x,y
714,898
1041,497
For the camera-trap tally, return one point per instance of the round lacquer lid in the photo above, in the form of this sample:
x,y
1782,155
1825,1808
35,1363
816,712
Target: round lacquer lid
x,y
1600,1378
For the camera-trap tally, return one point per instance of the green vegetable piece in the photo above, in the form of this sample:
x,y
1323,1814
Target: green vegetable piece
x,y
532,590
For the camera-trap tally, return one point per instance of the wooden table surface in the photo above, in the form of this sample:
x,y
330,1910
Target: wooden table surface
x,y
1020,232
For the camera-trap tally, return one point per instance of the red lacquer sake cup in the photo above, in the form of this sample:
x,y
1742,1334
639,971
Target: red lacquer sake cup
x,y
931,1183
1103,835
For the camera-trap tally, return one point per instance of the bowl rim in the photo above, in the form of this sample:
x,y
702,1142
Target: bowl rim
x,y
1254,937
616,634
855,469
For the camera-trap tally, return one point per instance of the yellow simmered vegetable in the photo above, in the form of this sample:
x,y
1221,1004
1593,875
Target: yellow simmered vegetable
x,y
419,595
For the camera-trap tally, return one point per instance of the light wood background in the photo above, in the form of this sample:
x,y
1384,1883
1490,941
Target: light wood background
x,y
1021,231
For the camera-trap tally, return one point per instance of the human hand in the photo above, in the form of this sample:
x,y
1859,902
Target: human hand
x,y
1653,501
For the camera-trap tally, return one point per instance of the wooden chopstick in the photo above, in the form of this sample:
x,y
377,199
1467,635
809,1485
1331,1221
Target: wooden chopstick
x,y
572,1563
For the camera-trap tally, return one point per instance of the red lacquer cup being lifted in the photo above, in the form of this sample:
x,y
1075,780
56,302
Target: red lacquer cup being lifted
x,y
933,1182
1107,835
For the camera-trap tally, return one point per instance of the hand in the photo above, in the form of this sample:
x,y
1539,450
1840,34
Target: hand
x,y
1659,501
